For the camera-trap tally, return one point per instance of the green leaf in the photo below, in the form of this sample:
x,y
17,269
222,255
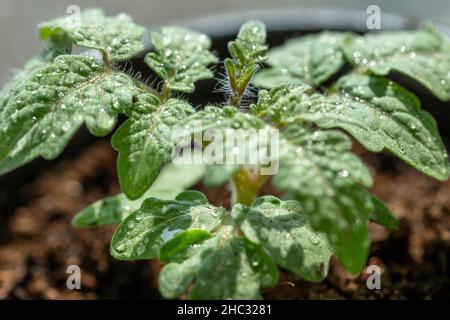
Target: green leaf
x,y
250,47
262,264
318,169
380,115
14,85
142,233
422,55
343,218
311,59
173,179
222,267
220,118
248,50
221,126
44,111
285,232
144,141
180,57
181,242
382,215
57,45
276,104
119,37
315,162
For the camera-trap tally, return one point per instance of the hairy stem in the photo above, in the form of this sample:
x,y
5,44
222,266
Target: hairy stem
x,y
165,91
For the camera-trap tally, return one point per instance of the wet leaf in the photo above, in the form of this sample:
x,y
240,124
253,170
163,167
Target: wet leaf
x,y
18,78
382,215
220,118
142,233
379,114
180,57
42,113
173,179
422,55
285,232
222,267
316,162
119,37
311,59
318,170
250,47
181,242
144,141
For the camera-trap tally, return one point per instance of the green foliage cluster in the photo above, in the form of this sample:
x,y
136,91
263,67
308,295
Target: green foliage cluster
x,y
214,252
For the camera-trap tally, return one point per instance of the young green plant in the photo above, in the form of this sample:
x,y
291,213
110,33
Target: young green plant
x,y
231,253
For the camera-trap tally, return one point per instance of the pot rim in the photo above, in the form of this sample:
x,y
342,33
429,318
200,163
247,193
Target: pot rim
x,y
302,19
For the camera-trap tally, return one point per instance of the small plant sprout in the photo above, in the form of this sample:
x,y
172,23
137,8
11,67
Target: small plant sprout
x,y
304,94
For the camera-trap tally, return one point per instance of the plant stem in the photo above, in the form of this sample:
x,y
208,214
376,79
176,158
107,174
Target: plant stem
x,y
106,60
165,91
246,186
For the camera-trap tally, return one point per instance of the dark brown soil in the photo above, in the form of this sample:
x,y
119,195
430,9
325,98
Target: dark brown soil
x,y
37,242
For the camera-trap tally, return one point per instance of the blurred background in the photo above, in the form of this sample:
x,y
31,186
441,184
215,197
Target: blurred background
x,y
18,18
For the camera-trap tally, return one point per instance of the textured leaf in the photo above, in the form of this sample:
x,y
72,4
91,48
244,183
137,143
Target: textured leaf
x,y
247,52
117,36
250,45
42,113
143,232
382,215
17,80
318,169
315,162
234,139
144,141
311,59
275,105
180,57
220,118
343,217
377,113
422,55
261,263
173,179
223,267
57,45
282,228
182,241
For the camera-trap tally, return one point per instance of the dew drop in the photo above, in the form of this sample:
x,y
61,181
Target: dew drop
x,y
131,224
314,240
140,249
344,174
66,126
121,247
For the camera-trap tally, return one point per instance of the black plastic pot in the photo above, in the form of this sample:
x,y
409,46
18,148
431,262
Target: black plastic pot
x,y
281,25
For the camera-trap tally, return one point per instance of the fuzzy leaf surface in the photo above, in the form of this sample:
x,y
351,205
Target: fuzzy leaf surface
x,y
318,169
144,141
222,267
285,232
119,37
422,55
376,112
142,233
180,57
311,59
42,113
